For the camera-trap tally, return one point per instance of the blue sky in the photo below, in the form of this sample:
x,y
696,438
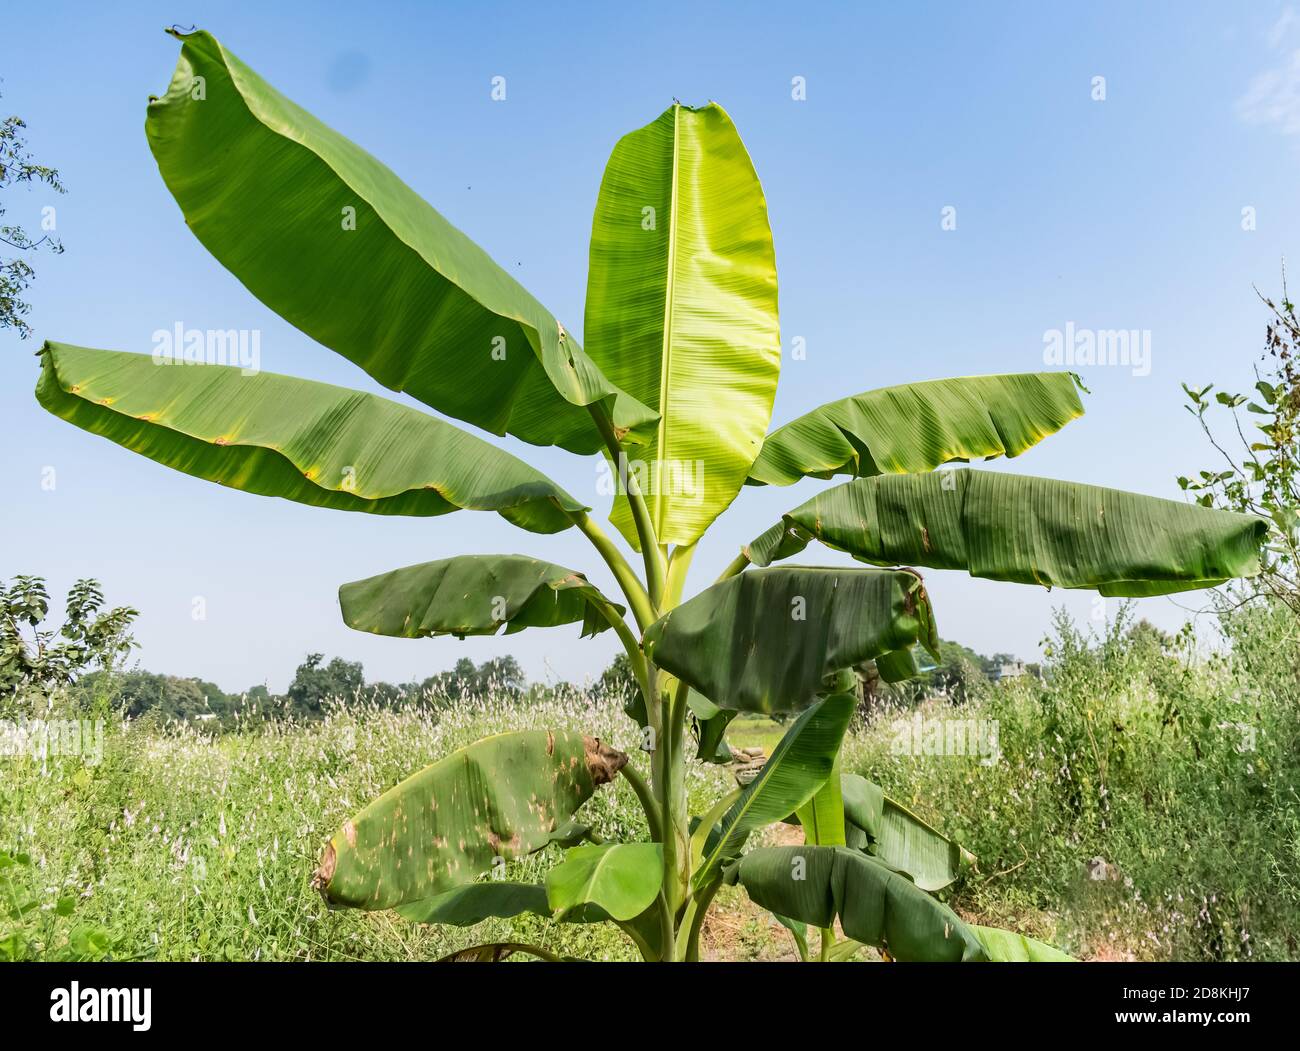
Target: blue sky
x,y
1122,213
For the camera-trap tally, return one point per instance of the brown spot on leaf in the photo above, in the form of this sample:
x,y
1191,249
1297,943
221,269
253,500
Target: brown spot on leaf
x,y
350,833
603,762
925,539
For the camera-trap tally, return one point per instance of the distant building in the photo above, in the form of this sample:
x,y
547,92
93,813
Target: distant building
x,y
1009,670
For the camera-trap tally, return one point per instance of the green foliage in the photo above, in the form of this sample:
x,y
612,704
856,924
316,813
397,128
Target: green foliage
x,y
18,168
1261,475
36,659
315,681
683,368
1143,801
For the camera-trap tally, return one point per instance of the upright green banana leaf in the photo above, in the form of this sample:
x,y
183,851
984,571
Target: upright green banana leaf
x,y
799,765
502,797
475,595
918,426
763,641
681,310
330,239
280,436
1027,530
874,904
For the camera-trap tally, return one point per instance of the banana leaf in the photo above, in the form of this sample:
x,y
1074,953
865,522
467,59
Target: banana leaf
x,y
765,640
681,311
336,244
475,595
1024,529
281,436
502,797
916,427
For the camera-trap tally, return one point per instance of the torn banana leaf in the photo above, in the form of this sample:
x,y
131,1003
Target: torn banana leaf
x,y
503,797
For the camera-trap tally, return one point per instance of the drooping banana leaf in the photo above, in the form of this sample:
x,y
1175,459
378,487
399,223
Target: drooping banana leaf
x,y
1008,947
474,595
473,903
281,436
874,904
799,765
916,427
496,952
681,310
900,838
336,244
504,796
764,640
1024,529
621,879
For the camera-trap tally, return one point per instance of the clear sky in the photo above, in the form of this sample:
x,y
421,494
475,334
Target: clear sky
x,y
1117,213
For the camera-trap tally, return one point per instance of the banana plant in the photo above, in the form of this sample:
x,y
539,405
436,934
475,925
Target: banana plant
x,y
674,390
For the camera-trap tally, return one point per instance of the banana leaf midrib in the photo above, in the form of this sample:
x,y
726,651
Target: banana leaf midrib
x,y
665,374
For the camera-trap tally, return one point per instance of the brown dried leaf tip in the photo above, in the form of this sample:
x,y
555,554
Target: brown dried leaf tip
x,y
320,879
603,762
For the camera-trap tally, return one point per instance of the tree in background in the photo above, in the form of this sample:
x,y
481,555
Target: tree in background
x,y
315,682
1260,469
40,660
17,166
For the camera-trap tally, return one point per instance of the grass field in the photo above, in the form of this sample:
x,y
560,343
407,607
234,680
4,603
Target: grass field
x,y
1178,769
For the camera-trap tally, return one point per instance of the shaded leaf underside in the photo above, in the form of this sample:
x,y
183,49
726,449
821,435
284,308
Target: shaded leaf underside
x,y
297,439
764,640
1026,530
474,595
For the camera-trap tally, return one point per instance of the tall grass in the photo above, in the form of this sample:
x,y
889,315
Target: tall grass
x,y
1145,803
1177,768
